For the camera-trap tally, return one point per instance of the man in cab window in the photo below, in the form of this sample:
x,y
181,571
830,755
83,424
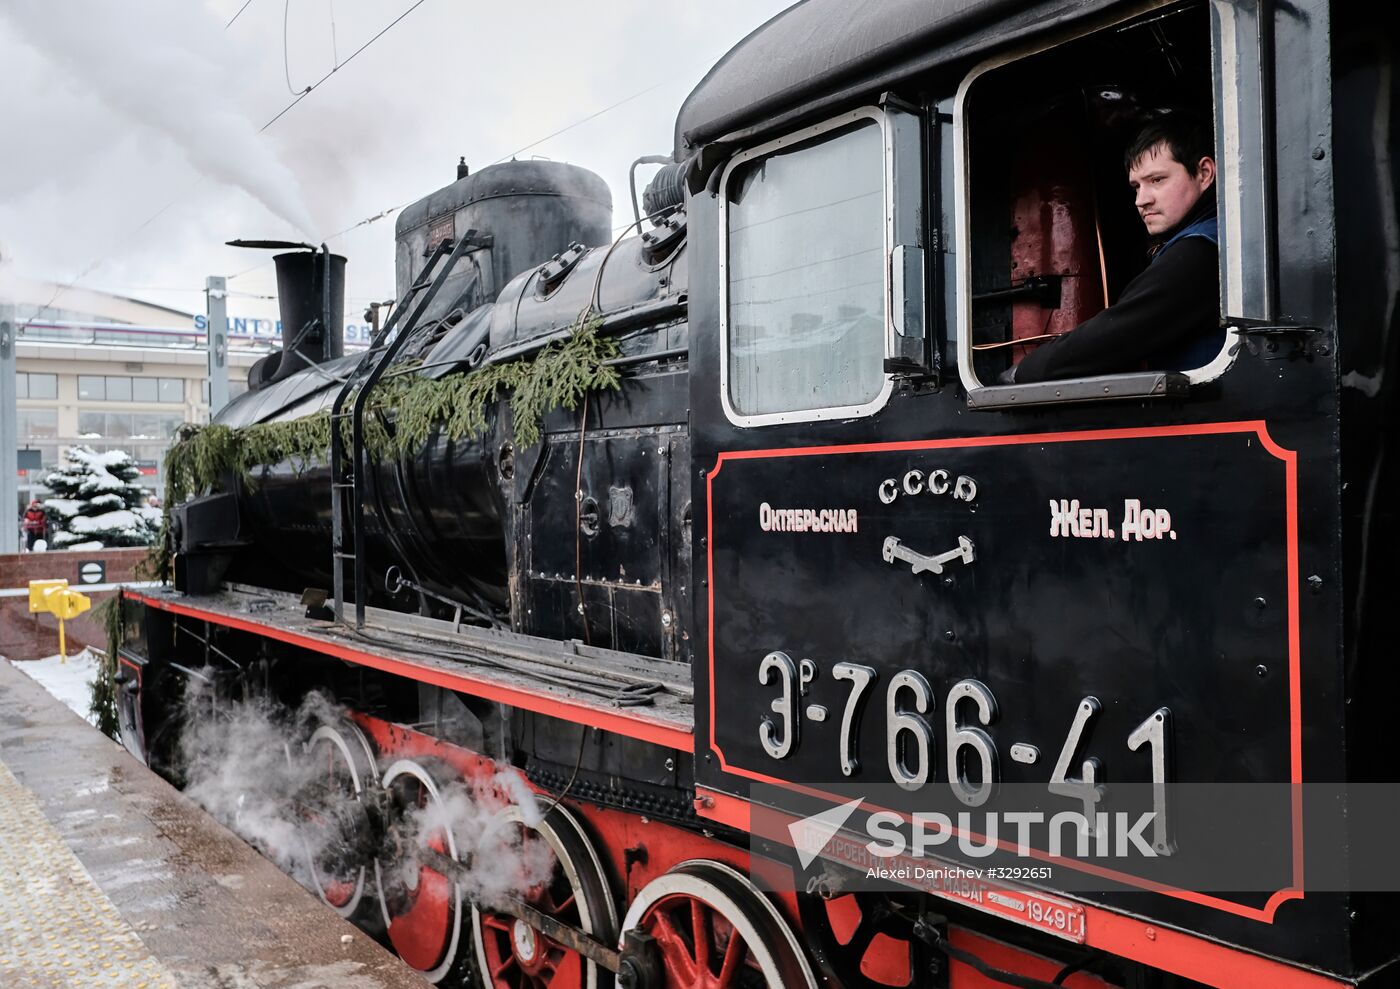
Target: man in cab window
x,y
1168,317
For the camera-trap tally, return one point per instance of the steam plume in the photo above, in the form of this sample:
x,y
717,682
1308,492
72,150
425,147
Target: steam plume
x,y
243,762
168,66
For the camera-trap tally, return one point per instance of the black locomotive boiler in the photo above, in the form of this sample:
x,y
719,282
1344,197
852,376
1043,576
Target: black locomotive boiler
x,y
722,534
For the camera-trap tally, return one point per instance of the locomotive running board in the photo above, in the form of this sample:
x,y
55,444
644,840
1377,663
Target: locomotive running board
x,y
639,697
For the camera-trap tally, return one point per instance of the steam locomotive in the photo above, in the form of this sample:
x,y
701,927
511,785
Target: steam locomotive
x,y
778,621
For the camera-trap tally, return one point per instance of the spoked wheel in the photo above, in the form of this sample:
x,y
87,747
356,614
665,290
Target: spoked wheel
x,y
512,955
862,940
422,908
713,929
334,828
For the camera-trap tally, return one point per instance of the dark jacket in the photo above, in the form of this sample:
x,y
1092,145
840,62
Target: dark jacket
x,y
1167,319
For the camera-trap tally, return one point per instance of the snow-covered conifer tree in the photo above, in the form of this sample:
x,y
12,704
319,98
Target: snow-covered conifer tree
x,y
96,502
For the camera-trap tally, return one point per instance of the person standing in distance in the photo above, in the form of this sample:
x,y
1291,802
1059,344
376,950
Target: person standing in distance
x,y
1168,317
36,525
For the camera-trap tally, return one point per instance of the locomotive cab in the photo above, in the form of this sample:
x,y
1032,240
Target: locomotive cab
x,y
1027,598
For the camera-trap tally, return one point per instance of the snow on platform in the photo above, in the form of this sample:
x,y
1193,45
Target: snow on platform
x,y
69,681
111,877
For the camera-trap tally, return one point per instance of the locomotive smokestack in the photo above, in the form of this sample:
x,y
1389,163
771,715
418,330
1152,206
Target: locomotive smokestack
x,y
462,170
313,321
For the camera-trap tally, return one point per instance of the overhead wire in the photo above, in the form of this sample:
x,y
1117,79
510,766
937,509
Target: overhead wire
x,y
286,66
301,96
98,262
335,50
533,144
394,209
310,89
338,234
286,58
581,121
237,15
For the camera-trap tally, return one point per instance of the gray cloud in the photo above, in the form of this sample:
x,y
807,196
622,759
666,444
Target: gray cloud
x,y
111,143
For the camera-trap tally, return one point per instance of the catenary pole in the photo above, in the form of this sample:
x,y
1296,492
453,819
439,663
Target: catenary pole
x,y
216,294
9,435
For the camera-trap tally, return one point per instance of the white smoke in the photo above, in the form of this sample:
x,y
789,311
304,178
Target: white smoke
x,y
244,763
504,858
165,65
241,763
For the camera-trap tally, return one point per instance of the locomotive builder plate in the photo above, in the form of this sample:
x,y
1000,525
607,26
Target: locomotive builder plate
x,y
953,630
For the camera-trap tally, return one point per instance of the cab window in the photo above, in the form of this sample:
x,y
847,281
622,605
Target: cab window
x,y
1048,230
822,269
805,278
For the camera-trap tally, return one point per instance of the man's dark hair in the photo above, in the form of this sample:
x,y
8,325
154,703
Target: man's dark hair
x,y
1186,136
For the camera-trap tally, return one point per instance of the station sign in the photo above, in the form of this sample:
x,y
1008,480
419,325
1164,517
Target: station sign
x,y
249,328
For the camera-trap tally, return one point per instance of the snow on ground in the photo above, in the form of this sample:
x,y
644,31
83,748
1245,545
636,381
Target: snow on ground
x,y
70,682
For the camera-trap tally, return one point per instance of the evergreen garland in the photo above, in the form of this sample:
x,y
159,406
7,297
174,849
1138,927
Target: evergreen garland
x,y
404,410
104,687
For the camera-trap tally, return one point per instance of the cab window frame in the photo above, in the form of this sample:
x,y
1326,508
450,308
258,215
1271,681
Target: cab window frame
x,y
881,116
1131,384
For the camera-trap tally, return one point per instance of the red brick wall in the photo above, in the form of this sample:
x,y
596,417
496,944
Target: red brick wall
x,y
26,636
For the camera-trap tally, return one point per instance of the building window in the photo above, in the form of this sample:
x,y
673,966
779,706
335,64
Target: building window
x,y
127,425
92,425
118,427
111,388
147,425
37,385
37,424
118,389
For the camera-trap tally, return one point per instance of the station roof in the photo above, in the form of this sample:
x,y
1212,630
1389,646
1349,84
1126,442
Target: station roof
x,y
823,52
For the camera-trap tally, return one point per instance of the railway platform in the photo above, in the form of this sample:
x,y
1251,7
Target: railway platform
x,y
111,878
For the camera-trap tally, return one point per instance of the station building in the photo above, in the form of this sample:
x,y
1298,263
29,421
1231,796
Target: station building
x,y
111,372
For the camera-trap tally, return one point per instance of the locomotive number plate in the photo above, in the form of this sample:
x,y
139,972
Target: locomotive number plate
x,y
1069,622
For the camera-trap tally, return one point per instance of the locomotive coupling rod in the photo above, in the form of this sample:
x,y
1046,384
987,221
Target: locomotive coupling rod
x,y
570,937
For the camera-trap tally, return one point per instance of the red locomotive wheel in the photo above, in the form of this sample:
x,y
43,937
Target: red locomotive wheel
x,y
345,764
713,929
422,909
512,955
863,939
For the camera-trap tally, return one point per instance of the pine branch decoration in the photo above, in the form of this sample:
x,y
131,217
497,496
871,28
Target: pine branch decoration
x,y
103,700
403,413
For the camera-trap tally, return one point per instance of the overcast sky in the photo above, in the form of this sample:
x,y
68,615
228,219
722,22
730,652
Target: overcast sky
x,y
113,111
